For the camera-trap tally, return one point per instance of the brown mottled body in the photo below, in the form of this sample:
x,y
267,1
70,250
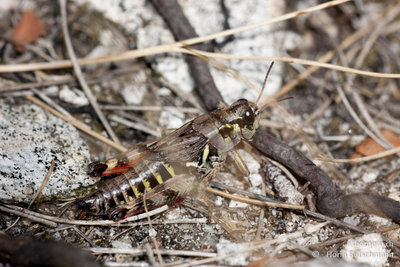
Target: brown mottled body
x,y
166,170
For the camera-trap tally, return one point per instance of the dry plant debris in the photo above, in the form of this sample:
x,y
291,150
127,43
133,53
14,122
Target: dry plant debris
x,y
322,51
28,30
369,147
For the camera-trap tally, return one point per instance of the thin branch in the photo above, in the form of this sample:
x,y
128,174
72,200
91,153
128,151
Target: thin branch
x,y
160,259
353,113
293,60
363,159
44,182
77,124
79,74
51,220
151,108
132,54
141,251
50,102
134,125
255,201
28,216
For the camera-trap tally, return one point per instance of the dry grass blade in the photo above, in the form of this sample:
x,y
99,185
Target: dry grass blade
x,y
17,211
160,259
45,180
140,251
132,54
287,172
255,201
50,102
353,113
135,125
309,229
380,155
151,108
294,60
78,72
77,124
329,55
51,220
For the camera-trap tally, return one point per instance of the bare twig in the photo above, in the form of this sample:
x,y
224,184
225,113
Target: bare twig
x,y
132,54
136,126
79,74
44,182
151,108
363,159
83,236
150,255
254,201
51,220
28,216
354,115
77,124
160,259
140,252
294,60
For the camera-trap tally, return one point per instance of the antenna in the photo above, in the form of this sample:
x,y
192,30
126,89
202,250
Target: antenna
x,y
274,101
265,81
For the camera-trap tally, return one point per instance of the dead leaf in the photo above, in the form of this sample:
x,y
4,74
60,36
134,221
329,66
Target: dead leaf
x,y
28,30
369,147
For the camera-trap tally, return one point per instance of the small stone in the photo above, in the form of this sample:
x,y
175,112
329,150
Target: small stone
x,y
73,96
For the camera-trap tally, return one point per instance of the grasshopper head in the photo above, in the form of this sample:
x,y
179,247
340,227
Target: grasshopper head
x,y
246,116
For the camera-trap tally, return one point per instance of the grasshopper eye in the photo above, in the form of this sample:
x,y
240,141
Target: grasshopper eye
x,y
249,117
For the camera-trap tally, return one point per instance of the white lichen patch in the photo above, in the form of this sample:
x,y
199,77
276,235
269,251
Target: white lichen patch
x,y
30,139
123,243
353,220
171,119
176,72
368,249
133,91
73,96
379,220
225,247
237,204
370,176
284,187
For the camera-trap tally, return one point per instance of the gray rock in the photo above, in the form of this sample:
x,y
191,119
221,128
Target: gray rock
x,y
29,139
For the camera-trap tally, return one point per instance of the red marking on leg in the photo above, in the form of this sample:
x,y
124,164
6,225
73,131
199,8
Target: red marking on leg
x,y
178,201
123,168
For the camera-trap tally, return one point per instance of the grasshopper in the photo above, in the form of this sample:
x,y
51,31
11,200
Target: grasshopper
x,y
165,171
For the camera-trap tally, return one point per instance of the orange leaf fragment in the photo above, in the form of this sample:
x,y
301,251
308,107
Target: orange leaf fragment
x,y
28,30
369,147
